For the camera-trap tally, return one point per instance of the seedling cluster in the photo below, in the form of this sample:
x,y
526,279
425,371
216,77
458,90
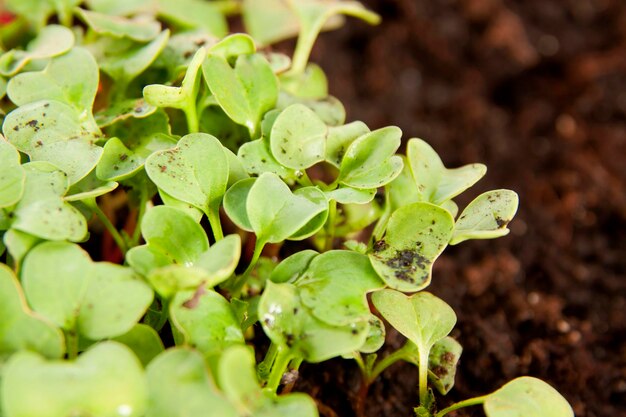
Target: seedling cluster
x,y
202,155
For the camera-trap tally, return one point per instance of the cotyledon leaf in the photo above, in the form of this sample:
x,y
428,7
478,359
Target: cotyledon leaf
x,y
486,217
335,286
140,28
194,14
527,397
436,183
106,380
144,341
52,40
416,235
12,175
339,139
20,328
98,300
298,137
289,323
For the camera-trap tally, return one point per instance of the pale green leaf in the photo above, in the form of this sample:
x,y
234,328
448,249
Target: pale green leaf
x,y
527,397
140,28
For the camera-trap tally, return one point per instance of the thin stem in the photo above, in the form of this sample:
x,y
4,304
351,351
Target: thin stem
x,y
263,370
241,280
465,403
359,361
385,363
142,210
119,240
164,314
278,369
191,113
71,342
330,225
423,376
303,179
216,223
381,225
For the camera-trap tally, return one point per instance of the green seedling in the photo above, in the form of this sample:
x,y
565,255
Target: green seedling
x,y
222,203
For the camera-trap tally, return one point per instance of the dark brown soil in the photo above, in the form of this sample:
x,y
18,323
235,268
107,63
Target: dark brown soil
x,y
536,90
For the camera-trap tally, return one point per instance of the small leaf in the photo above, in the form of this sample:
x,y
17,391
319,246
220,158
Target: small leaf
x,y
349,195
233,46
292,267
121,110
19,243
311,84
99,300
194,14
89,187
269,21
415,237
370,162
290,324
220,261
12,176
245,92
422,318
141,29
335,286
106,380
435,183
206,321
375,337
486,217
329,109
235,203
20,329
442,362
144,341
257,159
339,139
180,386
298,137
529,397
52,40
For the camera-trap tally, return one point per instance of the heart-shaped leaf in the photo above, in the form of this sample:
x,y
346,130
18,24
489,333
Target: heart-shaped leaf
x,y
369,161
298,137
195,171
335,287
422,318
20,328
42,211
55,132
206,321
12,175
238,380
529,397
290,324
436,183
180,386
141,28
99,300
416,235
486,217
245,92
107,380
52,40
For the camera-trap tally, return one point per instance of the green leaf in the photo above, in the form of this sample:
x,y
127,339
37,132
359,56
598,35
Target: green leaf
x,y
269,21
311,84
90,187
416,235
436,183
245,92
375,337
238,380
339,139
124,61
194,14
12,176
57,133
369,161
422,318
220,261
20,328
329,109
107,380
172,237
71,78
121,110
442,362
99,300
528,397
144,341
119,7
19,244
292,267
206,321
257,159
298,137
42,211
235,201
180,49
335,287
141,29
195,171
52,40
349,195
275,213
289,323
233,45
180,386
486,217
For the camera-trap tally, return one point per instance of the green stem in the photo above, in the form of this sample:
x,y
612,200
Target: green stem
x,y
461,404
330,225
142,210
241,280
381,225
215,222
119,240
191,113
164,315
304,179
71,342
359,361
263,370
278,369
423,376
385,363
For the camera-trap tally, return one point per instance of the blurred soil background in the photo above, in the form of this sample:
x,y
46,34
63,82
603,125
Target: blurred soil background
x,y
536,90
